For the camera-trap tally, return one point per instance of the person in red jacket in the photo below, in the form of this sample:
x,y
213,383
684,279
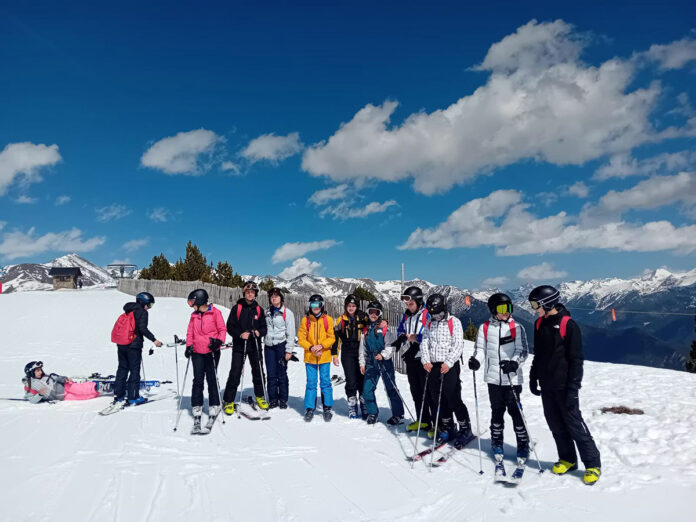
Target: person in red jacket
x,y
206,334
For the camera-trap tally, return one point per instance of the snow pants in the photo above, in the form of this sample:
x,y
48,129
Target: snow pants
x,y
351,368
317,372
569,429
80,391
373,371
451,400
277,370
129,361
416,381
239,352
502,399
204,368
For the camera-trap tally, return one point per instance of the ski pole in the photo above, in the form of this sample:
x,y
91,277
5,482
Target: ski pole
x,y
478,427
437,419
181,395
176,363
524,421
420,418
241,391
385,373
217,381
259,354
142,365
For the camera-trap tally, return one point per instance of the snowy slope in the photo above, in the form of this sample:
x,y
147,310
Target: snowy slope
x,y
63,462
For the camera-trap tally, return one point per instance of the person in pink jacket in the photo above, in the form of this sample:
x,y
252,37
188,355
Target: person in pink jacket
x,y
206,334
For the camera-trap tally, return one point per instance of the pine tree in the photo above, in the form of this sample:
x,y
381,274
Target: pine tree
x,y
364,294
471,331
194,267
158,269
691,363
266,285
224,275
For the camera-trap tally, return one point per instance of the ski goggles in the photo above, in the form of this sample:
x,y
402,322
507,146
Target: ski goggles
x,y
505,309
406,298
251,286
535,305
315,304
374,311
36,365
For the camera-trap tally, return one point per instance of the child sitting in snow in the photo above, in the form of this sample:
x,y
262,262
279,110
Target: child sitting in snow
x,y
40,386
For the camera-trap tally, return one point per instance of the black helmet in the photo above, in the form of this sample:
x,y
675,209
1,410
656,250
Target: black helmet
x,y
375,305
145,298
500,300
31,366
198,297
351,299
436,304
316,298
278,292
413,292
250,285
544,296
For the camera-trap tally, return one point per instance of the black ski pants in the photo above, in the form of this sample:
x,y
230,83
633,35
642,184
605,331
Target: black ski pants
x,y
351,368
416,380
502,399
277,369
129,361
451,399
238,358
204,368
569,429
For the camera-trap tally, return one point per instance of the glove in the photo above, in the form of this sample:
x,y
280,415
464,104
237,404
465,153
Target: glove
x,y
294,357
474,364
399,341
188,351
534,387
572,397
509,366
215,344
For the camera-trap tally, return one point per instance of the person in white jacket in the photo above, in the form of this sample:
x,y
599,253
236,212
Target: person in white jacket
x,y
279,347
503,343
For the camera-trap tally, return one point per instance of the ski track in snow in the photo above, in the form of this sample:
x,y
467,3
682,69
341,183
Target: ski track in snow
x,y
65,462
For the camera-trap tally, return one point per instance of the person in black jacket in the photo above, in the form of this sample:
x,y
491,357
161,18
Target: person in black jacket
x,y
130,356
557,368
247,325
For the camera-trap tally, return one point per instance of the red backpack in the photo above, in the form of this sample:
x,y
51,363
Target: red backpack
x,y
123,331
563,328
511,323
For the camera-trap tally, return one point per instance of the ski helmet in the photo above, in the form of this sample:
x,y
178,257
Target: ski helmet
x,y
278,292
198,298
436,304
500,304
145,298
415,293
545,297
316,301
30,367
351,299
250,285
375,305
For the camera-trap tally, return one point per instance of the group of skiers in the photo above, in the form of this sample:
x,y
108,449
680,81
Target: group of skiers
x,y
430,341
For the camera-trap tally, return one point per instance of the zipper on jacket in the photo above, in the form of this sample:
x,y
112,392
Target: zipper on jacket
x,y
500,370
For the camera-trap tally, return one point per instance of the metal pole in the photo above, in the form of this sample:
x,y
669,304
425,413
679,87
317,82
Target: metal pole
x,y
437,419
524,421
181,396
420,418
478,427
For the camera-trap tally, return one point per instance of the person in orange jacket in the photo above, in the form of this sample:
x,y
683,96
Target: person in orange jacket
x,y
316,336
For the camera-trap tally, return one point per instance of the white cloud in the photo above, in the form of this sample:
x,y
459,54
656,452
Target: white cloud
x,y
300,266
25,200
624,165
272,148
160,215
674,55
494,281
62,200
322,197
539,272
125,261
540,102
230,166
186,153
135,244
19,244
501,220
25,159
2,224
112,213
579,189
293,250
344,211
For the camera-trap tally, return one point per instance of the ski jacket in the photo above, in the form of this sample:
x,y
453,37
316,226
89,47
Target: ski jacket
x,y
441,345
315,331
140,316
203,326
499,345
413,324
251,317
280,329
348,331
373,342
49,387
558,361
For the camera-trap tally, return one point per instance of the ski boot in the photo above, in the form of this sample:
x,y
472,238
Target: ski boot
x,y
228,408
424,426
327,413
395,420
563,466
197,412
309,415
283,405
499,472
592,476
137,401
363,408
272,404
464,436
213,412
262,403
449,431
371,419
353,407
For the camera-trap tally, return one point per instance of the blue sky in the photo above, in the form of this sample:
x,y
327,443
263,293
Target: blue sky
x,y
483,145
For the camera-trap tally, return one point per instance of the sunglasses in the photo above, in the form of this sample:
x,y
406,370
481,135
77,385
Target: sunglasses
x,y
503,309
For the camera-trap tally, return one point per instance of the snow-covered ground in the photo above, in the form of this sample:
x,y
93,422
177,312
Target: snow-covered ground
x,y
64,462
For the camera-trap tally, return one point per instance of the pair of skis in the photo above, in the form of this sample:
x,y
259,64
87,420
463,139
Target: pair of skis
x,y
115,407
253,412
516,476
205,430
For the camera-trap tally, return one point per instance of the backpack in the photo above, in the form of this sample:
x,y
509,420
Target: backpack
x,y
326,323
258,312
384,331
123,332
450,323
513,329
564,325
